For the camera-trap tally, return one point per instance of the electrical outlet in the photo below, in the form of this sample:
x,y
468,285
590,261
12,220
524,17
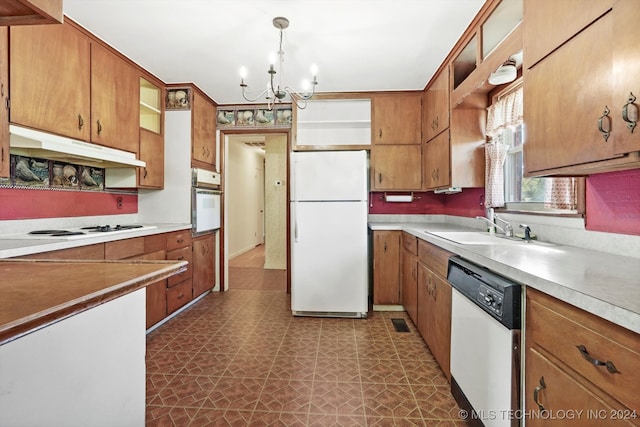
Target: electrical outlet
x,y
119,202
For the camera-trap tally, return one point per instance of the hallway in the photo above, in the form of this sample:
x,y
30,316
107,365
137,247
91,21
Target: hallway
x,y
246,272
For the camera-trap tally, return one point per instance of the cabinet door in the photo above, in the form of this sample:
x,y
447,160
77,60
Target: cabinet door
x,y
396,118
386,267
558,392
152,152
409,278
396,167
437,162
441,322
204,255
50,79
564,95
547,26
626,57
204,129
4,96
156,302
115,95
435,106
425,306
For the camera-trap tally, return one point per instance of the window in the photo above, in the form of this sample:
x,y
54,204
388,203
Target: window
x,y
508,188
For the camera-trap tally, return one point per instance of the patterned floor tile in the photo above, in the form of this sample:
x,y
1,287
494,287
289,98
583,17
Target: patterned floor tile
x,y
210,417
235,393
186,391
168,416
338,398
285,396
390,400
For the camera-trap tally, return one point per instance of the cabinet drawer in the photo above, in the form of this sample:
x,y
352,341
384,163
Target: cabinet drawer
x,y
91,252
410,243
178,296
433,257
155,242
124,248
561,330
178,239
182,254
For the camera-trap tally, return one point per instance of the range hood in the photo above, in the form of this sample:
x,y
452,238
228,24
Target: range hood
x,y
33,143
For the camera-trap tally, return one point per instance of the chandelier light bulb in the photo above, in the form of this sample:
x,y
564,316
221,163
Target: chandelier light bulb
x,y
243,72
314,70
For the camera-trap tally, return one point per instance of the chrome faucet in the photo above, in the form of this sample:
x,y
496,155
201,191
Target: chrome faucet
x,y
507,229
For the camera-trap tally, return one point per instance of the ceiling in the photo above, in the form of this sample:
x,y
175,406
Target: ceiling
x,y
357,45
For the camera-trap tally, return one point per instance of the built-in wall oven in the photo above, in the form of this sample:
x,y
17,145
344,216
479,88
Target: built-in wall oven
x,y
205,201
485,345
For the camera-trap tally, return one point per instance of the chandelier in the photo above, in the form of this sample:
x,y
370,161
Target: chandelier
x,y
276,91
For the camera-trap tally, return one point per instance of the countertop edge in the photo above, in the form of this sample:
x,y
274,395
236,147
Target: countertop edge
x,y
30,247
13,330
590,303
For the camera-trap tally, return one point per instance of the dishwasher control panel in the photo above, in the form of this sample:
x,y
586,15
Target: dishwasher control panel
x,y
491,299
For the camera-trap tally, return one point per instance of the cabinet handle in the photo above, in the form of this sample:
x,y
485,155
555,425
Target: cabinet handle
x,y
145,173
384,247
181,295
601,127
633,120
99,126
180,258
436,123
536,390
80,122
180,240
380,133
379,178
595,362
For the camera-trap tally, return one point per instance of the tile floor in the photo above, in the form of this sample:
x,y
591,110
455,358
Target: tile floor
x,y
239,358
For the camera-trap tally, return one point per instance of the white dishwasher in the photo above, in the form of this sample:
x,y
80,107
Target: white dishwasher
x,y
485,345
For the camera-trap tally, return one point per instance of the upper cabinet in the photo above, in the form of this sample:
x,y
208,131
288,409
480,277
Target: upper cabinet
x,y
329,123
396,118
65,83
203,137
396,167
29,12
4,96
435,106
50,79
115,106
151,135
588,125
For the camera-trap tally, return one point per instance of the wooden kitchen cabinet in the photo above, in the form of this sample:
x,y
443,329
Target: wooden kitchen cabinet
x,y
455,157
156,303
204,262
31,12
91,252
582,131
64,82
50,79
396,167
435,106
434,302
577,361
386,267
115,100
396,118
151,152
4,110
151,137
179,286
409,275
203,122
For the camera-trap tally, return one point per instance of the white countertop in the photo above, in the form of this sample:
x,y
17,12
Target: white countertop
x,y
10,248
604,284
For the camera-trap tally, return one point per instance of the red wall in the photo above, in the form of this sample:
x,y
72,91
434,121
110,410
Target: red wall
x,y
27,204
613,202
470,202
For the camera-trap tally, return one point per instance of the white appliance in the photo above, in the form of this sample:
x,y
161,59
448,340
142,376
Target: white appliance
x,y
485,344
329,259
205,201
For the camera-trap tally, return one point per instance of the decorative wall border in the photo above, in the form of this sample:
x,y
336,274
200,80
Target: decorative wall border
x,y
254,116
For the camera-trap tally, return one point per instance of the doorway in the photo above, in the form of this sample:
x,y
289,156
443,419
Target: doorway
x,y
255,211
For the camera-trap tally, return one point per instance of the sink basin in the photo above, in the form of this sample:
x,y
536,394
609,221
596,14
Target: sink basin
x,y
475,238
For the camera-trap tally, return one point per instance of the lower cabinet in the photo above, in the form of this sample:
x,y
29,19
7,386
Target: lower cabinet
x,y
578,363
409,275
434,303
178,295
386,267
156,302
204,262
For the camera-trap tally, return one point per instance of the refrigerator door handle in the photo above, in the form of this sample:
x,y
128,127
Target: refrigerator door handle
x,y
295,202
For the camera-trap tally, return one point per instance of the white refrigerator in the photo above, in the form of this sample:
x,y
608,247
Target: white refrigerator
x,y
329,251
